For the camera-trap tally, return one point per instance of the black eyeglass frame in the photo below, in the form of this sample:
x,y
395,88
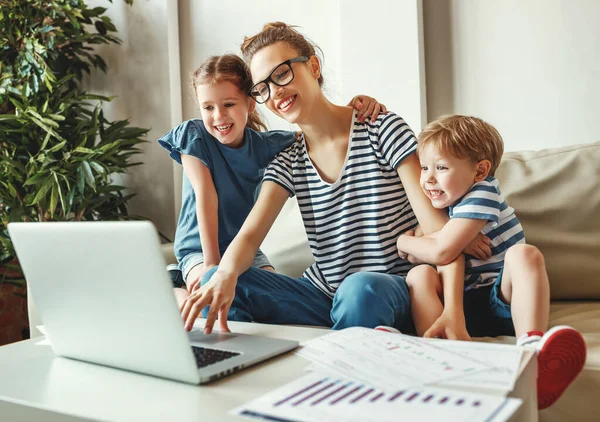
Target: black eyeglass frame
x,y
299,59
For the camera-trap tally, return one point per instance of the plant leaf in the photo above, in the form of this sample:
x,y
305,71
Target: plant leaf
x,y
89,177
53,200
41,194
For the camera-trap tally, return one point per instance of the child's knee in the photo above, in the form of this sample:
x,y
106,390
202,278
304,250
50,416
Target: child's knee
x,y
422,276
523,254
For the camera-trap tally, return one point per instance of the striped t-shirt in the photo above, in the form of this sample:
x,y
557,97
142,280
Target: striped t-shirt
x,y
352,224
485,202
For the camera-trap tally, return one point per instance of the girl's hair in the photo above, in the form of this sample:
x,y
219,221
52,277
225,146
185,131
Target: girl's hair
x,y
274,32
228,68
464,137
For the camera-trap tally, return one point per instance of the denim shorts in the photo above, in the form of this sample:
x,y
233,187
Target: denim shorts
x,y
486,314
196,258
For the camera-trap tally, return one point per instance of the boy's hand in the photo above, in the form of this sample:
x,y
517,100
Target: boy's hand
x,y
450,326
403,255
367,107
479,247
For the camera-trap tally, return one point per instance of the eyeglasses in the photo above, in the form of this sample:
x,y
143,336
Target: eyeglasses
x,y
282,75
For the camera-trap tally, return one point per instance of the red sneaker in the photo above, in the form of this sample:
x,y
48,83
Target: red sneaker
x,y
561,356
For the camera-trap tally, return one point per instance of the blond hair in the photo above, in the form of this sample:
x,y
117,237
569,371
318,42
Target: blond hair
x,y
464,137
274,32
228,68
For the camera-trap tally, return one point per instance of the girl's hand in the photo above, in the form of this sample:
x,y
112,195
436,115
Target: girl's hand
x,y
479,247
218,293
367,107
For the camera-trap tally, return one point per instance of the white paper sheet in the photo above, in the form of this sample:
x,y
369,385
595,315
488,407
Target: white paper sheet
x,y
387,361
504,361
318,397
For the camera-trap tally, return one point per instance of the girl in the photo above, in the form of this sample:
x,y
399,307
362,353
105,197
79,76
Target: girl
x,y
358,190
224,156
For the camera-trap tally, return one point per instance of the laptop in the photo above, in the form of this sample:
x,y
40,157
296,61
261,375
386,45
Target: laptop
x,y
104,297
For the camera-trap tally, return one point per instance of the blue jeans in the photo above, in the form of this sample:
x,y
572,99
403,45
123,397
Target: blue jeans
x,y
363,299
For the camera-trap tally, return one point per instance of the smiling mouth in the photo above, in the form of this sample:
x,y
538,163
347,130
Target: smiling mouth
x,y
224,128
434,194
284,105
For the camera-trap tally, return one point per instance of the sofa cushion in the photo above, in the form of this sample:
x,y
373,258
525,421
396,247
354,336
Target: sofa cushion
x,y
556,195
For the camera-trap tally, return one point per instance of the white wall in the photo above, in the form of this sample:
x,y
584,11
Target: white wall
x,y
139,75
531,68
380,56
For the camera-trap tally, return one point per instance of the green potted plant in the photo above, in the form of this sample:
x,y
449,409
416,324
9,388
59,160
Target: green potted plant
x,y
58,153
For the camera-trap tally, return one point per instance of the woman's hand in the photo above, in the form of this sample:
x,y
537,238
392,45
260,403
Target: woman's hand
x,y
196,275
450,326
479,247
367,107
218,293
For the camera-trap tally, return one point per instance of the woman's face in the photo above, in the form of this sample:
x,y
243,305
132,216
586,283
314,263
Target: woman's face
x,y
291,102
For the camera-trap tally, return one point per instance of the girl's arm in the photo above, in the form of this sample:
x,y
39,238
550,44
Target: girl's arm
x,y
207,204
446,245
368,107
452,274
219,292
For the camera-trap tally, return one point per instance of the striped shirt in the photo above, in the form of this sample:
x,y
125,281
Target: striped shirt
x,y
485,202
352,224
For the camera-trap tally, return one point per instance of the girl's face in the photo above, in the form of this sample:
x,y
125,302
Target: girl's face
x,y
224,110
293,101
446,179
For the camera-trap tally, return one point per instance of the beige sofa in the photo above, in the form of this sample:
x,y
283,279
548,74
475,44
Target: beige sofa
x,y
556,194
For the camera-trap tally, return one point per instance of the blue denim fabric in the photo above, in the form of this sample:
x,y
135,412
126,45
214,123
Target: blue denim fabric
x,y
363,299
196,258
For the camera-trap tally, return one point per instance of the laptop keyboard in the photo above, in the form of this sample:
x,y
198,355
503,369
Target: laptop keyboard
x,y
205,357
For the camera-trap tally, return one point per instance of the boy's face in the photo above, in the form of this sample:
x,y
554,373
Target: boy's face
x,y
446,179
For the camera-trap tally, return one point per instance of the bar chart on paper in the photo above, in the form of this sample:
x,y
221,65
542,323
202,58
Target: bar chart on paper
x,y
316,397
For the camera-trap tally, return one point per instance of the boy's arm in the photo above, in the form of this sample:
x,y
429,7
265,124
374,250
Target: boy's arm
x,y
444,246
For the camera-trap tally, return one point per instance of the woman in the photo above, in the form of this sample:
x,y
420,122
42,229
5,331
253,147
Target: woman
x,y
358,190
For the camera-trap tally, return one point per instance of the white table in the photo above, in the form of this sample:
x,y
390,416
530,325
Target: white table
x,y
37,385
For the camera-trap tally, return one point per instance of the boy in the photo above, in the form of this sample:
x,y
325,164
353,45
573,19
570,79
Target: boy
x,y
506,293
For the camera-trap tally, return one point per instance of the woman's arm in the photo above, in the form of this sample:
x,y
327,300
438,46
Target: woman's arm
x,y
207,204
452,274
219,292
